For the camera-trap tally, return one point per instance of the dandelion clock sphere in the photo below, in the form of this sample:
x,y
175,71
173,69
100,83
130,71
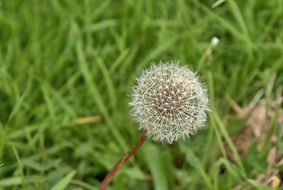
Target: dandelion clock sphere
x,y
169,102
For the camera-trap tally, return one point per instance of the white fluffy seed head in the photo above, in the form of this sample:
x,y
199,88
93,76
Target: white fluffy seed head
x,y
169,102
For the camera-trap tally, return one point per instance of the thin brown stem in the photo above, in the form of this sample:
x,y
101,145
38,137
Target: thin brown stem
x,y
104,184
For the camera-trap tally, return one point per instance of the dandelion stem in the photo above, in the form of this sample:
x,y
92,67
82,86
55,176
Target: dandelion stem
x,y
118,165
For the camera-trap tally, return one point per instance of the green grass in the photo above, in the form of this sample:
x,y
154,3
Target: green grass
x,y
63,60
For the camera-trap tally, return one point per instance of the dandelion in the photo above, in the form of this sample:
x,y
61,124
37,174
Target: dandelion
x,y
169,103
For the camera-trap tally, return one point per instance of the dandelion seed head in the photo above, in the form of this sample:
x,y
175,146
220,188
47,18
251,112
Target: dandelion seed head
x,y
169,102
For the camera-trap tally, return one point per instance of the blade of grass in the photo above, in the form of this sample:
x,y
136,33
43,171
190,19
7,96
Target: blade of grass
x,y
61,185
157,166
20,164
195,162
119,60
109,82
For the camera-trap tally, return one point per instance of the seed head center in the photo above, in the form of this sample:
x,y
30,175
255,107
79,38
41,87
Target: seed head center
x,y
168,100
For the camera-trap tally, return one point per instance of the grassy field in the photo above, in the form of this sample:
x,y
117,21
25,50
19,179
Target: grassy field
x,y
66,72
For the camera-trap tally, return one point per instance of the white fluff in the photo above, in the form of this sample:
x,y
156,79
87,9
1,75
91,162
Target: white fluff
x,y
169,102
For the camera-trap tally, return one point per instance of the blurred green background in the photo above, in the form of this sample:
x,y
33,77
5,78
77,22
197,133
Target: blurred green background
x,y
66,72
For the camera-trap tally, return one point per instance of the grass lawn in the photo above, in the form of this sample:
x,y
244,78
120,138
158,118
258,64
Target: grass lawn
x,y
66,72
